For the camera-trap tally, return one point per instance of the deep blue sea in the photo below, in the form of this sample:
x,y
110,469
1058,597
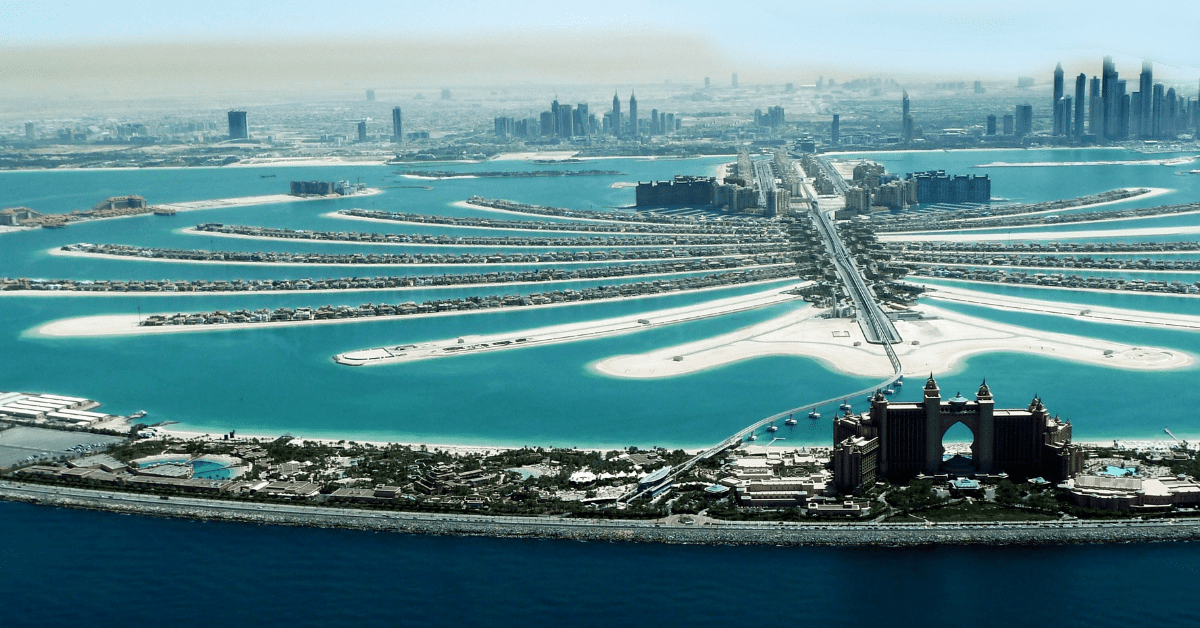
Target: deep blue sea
x,y
64,567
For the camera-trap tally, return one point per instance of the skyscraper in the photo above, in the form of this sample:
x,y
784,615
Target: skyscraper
x,y
1023,117
1145,87
616,116
633,120
1111,102
397,125
906,127
1080,88
1058,94
835,131
238,129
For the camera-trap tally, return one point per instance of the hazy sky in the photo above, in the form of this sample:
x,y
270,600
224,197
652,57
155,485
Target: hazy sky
x,y
228,43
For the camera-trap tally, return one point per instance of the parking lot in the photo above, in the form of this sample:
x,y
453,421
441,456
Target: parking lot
x,y
19,443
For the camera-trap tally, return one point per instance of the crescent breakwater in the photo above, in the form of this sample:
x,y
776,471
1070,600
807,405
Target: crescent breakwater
x,y
674,530
356,237
384,282
731,228
428,259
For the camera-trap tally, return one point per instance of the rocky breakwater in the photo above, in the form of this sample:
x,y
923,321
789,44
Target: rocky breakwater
x,y
673,530
475,303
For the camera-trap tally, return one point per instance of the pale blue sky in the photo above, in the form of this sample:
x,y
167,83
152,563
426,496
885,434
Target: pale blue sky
x,y
997,38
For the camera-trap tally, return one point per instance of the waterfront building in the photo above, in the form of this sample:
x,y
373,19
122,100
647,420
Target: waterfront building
x,y
900,441
935,186
238,129
1080,87
682,191
1059,119
397,125
1023,116
633,115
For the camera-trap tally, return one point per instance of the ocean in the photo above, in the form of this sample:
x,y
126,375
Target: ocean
x,y
67,567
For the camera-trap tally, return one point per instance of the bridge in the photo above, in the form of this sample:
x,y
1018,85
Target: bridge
x,y
875,324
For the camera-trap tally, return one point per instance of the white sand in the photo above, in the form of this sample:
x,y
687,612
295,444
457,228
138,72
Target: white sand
x,y
561,333
263,162
531,155
127,324
247,201
1076,311
945,343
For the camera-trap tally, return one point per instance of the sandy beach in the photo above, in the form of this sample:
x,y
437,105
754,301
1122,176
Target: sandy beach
x,y
127,324
945,340
586,330
1080,312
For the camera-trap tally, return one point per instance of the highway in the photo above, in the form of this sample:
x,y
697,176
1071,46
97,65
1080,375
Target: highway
x,y
876,327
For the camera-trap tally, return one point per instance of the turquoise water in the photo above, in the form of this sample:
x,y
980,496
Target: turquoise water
x,y
282,379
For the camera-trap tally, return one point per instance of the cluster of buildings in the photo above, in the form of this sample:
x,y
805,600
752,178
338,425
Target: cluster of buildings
x,y
902,441
562,121
1113,113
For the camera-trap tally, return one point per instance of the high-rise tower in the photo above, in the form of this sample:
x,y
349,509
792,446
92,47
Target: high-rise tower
x,y
1057,104
1080,88
616,116
906,126
633,121
1145,89
238,129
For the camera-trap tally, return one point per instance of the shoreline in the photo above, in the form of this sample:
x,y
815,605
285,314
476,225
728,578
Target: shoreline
x,y
108,325
605,262
670,530
531,247
377,221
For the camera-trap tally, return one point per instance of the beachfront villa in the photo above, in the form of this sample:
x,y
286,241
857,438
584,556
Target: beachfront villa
x,y
900,441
